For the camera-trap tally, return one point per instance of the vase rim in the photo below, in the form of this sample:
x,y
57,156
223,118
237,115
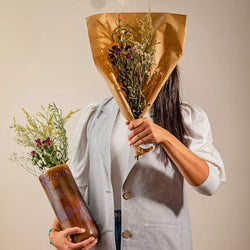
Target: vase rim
x,y
54,169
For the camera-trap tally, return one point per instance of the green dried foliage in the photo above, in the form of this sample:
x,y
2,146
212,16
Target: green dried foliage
x,y
132,60
45,134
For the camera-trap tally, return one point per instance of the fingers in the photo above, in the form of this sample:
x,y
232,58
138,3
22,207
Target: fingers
x,y
145,139
135,131
62,240
86,244
73,230
91,245
139,137
68,237
144,130
135,123
140,130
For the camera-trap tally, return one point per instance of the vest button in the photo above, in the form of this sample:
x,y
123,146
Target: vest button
x,y
126,234
127,195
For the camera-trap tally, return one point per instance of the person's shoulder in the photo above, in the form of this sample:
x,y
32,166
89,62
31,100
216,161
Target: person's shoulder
x,y
90,112
96,105
195,120
192,112
94,110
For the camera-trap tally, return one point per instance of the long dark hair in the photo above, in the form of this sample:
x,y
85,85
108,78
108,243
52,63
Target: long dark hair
x,y
166,110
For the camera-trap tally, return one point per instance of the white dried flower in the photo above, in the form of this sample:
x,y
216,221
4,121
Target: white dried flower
x,y
125,3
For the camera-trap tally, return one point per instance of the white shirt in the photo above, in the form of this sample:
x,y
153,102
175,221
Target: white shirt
x,y
119,149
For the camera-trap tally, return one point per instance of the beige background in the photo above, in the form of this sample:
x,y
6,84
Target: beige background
x,y
45,56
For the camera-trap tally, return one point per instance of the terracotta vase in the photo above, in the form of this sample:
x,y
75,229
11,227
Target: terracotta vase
x,y
67,202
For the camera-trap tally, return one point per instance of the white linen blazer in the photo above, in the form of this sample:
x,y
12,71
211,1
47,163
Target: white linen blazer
x,y
156,214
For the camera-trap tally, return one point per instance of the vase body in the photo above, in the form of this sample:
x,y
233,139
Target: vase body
x,y
67,202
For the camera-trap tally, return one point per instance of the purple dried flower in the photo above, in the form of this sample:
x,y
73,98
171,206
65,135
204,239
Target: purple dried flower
x,y
127,47
45,143
33,152
38,143
118,52
111,56
115,48
130,56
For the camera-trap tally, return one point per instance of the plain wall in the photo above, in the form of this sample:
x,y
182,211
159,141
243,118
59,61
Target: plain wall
x,y
45,57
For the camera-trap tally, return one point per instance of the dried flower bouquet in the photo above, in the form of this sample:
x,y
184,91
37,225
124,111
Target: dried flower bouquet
x,y
45,135
143,49
132,60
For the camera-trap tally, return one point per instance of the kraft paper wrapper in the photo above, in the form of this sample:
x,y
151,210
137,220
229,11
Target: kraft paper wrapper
x,y
170,31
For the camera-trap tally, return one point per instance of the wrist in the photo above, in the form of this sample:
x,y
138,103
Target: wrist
x,y
164,137
52,232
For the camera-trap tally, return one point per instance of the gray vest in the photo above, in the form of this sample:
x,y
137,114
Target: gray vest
x,y
155,213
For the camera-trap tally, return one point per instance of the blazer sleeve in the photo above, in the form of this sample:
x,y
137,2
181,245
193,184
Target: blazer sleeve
x,y
80,161
199,140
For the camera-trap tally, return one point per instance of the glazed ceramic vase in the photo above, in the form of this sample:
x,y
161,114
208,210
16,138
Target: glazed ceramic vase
x,y
67,202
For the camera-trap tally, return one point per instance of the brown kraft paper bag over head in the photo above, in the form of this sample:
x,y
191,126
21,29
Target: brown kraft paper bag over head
x,y
169,30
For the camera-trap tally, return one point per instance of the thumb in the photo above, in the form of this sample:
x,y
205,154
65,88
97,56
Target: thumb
x,y
73,230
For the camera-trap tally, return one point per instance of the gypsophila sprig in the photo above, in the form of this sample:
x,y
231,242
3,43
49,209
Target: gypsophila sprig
x,y
45,135
132,58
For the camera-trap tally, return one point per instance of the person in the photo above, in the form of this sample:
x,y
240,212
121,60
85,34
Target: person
x,y
141,204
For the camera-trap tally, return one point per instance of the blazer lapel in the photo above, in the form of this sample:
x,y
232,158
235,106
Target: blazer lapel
x,y
104,126
130,164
